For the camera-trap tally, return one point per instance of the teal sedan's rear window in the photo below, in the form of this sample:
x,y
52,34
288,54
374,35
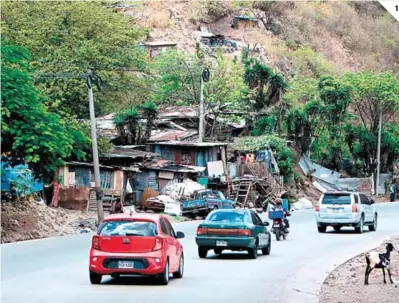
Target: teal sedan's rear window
x,y
228,216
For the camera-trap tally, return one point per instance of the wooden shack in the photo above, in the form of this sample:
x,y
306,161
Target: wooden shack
x,y
156,48
243,22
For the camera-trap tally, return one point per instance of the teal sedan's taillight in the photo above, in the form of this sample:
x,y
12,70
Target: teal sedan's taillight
x,y
243,232
202,231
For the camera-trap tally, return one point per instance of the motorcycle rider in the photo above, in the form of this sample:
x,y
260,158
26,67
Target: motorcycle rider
x,y
278,205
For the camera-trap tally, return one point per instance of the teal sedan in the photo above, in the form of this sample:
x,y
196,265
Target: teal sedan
x,y
233,229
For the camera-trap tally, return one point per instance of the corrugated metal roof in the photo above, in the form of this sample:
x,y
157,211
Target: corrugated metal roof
x,y
172,135
128,153
179,112
161,43
77,163
245,18
195,144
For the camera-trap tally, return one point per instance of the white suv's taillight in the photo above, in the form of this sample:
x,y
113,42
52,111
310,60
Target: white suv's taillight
x,y
354,208
317,208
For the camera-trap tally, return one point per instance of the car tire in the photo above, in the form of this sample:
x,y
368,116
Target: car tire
x,y
180,272
321,229
373,227
218,251
337,228
95,278
202,252
266,250
359,228
163,278
253,252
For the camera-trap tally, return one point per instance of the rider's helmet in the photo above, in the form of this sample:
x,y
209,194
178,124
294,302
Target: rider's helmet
x,y
278,201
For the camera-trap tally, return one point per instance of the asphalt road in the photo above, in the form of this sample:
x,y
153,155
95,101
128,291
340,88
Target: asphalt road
x,y
56,269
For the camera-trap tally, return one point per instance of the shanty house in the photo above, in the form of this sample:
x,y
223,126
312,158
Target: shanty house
x,y
193,153
156,48
242,22
77,184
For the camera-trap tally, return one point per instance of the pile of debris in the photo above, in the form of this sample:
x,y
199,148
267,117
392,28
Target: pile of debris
x,y
169,201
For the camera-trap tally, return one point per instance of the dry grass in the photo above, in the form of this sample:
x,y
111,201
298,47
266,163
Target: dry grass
x,y
159,20
345,34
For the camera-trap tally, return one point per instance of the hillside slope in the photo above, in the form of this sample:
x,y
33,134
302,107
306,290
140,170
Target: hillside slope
x,y
329,36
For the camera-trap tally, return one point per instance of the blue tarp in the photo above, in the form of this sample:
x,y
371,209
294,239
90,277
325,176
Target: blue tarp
x,y
9,173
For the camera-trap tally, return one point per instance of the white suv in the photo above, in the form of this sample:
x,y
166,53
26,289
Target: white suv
x,y
338,209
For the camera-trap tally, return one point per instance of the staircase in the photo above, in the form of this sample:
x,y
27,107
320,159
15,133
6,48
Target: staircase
x,y
111,195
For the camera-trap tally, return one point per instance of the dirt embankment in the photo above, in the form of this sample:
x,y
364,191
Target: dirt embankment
x,y
30,220
346,283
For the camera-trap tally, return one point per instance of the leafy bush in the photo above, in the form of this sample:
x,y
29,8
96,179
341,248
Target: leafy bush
x,y
310,63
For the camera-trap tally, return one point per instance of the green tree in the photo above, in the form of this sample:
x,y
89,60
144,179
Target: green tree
x,y
176,77
150,113
372,94
66,37
30,133
128,127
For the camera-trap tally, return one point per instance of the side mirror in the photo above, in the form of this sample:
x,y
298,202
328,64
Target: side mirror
x,y
372,201
179,235
266,223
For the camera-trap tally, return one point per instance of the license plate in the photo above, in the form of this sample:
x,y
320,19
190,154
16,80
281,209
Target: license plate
x,y
125,264
221,243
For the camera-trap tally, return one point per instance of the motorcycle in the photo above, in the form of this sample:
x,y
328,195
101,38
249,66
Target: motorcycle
x,y
278,226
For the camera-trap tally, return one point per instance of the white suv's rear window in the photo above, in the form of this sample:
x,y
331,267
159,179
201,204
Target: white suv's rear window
x,y
336,199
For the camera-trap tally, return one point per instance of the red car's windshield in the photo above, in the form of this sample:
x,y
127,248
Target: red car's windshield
x,y
128,228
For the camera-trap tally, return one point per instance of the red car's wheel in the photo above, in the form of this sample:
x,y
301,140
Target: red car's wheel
x,y
179,273
163,278
95,278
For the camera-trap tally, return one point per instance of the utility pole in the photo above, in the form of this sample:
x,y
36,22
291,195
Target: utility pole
x,y
201,113
90,79
204,78
377,182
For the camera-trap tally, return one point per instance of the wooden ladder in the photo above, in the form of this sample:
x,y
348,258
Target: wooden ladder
x,y
243,191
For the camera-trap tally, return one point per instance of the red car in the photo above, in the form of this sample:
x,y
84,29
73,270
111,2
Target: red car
x,y
136,244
